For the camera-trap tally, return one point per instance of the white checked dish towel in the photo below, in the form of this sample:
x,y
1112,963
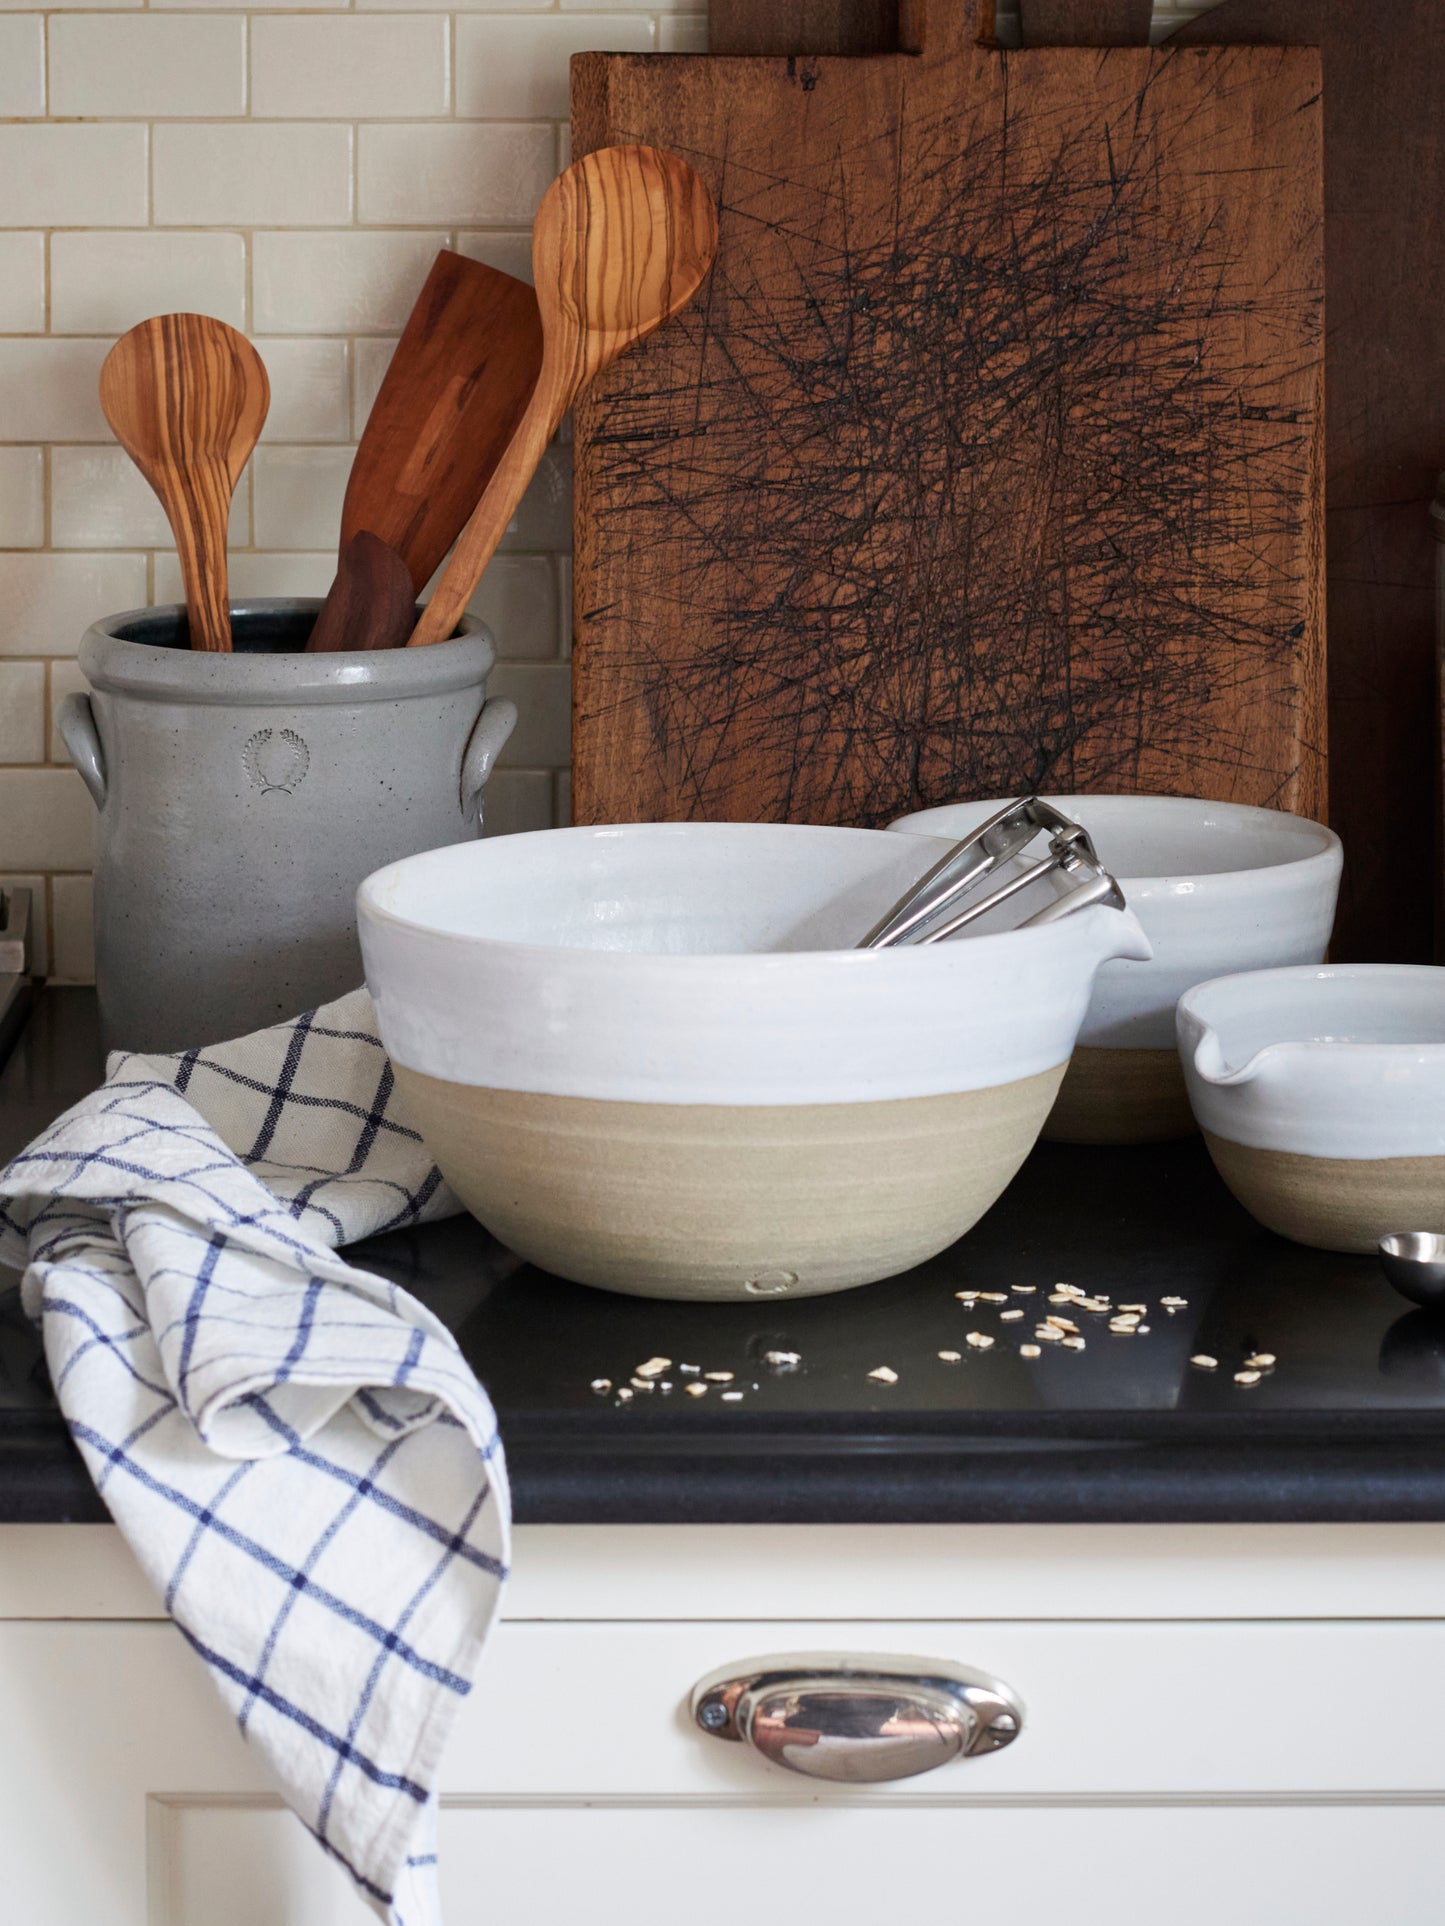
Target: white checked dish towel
x,y
295,1450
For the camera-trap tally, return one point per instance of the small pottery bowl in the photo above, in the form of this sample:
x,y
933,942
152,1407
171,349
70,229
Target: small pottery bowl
x,y
647,1057
1218,887
1321,1095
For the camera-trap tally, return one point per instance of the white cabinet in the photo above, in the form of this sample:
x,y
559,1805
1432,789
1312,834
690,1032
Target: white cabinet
x,y
1245,1722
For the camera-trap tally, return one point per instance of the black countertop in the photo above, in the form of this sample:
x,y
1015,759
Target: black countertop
x,y
1350,1425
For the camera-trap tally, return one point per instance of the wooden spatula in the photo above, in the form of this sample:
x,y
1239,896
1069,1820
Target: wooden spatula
x,y
621,241
187,398
459,381
372,604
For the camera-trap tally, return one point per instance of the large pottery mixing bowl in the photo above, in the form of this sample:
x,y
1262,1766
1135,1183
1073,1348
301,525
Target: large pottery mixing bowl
x,y
1321,1095
647,1058
1218,887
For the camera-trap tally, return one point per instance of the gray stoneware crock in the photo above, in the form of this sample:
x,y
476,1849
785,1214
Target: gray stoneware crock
x,y
244,797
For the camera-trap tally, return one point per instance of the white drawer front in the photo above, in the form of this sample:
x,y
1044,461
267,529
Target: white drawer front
x,y
1289,1771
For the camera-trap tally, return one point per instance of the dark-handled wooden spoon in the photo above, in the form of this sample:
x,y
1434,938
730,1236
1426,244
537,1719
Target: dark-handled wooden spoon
x,y
372,604
187,397
458,384
621,241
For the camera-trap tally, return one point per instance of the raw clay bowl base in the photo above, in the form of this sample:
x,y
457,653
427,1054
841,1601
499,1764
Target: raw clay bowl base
x,y
711,1201
1121,1097
1333,1203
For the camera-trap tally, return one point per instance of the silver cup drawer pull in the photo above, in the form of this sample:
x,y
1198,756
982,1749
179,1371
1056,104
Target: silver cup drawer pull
x,y
858,1717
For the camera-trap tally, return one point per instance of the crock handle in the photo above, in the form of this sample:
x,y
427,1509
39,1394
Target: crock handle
x,y
75,720
487,741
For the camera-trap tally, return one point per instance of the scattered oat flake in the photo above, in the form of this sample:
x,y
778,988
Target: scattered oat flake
x,y
1008,1317
950,1357
1048,1333
624,1396
1024,1290
1174,1303
1248,1377
697,1390
1073,1344
665,1385
718,1377
602,1386
1030,1351
689,1370
1062,1323
994,1297
653,1368
966,1297
642,1384
782,1360
1140,1308
1260,1361
979,1340
884,1374
1203,1362
1142,1331
732,1397
1127,1322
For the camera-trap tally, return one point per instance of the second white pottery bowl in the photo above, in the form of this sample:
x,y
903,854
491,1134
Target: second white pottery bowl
x,y
647,1057
1321,1095
1218,887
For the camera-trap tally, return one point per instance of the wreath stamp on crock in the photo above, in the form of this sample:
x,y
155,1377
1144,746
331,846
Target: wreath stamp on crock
x,y
276,760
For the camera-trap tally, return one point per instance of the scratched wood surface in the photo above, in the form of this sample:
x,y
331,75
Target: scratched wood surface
x,y
1384,125
988,457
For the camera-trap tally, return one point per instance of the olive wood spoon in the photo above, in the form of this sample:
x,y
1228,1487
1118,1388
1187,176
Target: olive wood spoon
x,y
621,241
372,604
187,397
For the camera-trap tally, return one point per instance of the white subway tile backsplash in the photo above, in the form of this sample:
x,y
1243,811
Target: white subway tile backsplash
x,y
542,692
47,820
22,65
103,283
254,573
292,166
298,495
516,69
352,66
310,389
22,499
338,283
22,712
517,599
73,176
39,918
683,33
47,602
147,65
48,390
544,518
257,174
72,921
100,499
22,283
516,799
446,172
509,253
371,358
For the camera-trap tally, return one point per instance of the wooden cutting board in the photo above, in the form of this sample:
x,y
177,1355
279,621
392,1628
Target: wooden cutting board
x,y
989,457
1384,123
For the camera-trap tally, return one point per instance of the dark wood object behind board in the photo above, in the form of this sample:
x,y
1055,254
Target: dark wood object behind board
x,y
988,457
1384,118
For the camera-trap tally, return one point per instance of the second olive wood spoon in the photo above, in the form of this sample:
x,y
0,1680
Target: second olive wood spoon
x,y
621,241
372,604
187,397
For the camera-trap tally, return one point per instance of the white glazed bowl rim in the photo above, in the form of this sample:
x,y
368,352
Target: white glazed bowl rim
x,y
992,946
1199,1009
1328,849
